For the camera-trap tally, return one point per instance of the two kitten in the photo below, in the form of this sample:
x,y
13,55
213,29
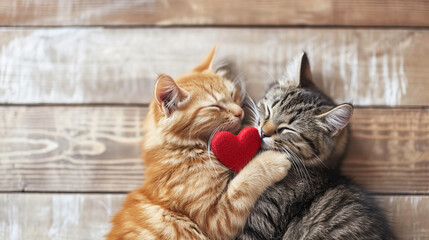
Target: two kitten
x,y
188,194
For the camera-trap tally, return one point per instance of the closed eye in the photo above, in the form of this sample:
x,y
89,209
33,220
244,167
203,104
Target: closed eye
x,y
285,129
213,107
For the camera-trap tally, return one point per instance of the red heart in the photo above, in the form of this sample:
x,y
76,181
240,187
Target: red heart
x,y
236,151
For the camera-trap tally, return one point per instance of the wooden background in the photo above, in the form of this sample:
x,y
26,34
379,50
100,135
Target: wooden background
x,y
76,78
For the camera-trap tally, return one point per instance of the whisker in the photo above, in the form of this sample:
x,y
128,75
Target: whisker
x,y
190,132
251,105
303,171
216,130
320,160
306,171
252,111
293,161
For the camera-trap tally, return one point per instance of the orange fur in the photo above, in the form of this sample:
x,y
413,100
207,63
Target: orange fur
x,y
187,194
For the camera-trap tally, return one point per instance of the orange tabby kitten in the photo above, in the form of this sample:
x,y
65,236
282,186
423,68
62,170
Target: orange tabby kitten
x,y
187,194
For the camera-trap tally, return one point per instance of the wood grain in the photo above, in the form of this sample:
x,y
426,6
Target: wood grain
x,y
389,150
95,65
96,149
57,216
62,149
86,216
408,215
221,12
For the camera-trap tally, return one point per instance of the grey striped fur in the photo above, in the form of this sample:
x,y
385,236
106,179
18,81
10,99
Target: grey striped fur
x,y
314,201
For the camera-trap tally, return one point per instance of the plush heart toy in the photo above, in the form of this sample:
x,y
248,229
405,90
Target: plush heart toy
x,y
236,151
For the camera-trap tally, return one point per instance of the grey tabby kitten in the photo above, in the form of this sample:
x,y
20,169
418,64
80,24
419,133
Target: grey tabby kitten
x,y
313,201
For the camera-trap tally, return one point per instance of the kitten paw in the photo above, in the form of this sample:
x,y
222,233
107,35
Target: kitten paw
x,y
276,164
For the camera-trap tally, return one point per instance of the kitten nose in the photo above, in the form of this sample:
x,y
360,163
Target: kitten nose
x,y
236,110
239,114
264,134
268,129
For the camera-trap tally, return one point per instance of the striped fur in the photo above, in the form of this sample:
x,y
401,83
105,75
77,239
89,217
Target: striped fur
x,y
187,194
313,201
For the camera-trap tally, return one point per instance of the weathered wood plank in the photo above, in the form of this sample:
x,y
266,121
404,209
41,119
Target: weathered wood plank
x,y
70,148
57,216
389,150
68,65
408,215
221,12
96,149
86,216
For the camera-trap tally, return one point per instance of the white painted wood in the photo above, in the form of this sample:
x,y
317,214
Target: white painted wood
x,y
87,216
57,216
96,65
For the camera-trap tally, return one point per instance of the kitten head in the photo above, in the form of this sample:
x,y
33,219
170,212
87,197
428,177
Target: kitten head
x,y
188,109
294,116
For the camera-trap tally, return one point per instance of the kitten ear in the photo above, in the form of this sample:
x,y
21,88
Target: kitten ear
x,y
298,73
168,94
338,117
305,77
207,62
